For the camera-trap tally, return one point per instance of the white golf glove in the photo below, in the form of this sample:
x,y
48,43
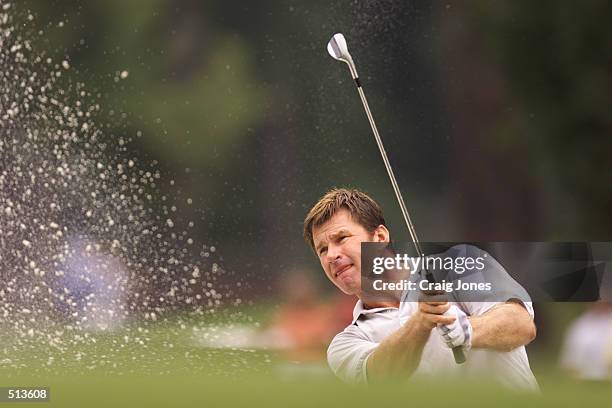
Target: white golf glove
x,y
458,333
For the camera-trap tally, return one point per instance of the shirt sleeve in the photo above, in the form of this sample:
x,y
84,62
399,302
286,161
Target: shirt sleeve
x,y
480,308
503,287
348,353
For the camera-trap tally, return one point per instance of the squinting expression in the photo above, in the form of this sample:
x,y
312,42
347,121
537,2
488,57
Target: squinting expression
x,y
338,246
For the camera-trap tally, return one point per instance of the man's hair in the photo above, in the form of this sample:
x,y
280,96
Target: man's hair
x,y
364,210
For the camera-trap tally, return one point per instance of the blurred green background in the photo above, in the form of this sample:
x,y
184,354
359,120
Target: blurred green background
x,y
495,115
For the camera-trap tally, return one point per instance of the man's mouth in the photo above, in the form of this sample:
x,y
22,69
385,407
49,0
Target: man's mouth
x,y
343,269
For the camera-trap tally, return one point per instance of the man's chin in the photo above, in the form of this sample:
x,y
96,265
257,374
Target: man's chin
x,y
350,286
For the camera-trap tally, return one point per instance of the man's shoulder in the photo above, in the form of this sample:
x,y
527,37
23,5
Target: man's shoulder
x,y
466,250
352,331
372,325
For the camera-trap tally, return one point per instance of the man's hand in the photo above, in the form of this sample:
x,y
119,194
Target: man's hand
x,y
432,310
459,332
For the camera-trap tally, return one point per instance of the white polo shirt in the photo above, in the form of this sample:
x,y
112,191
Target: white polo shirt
x,y
349,350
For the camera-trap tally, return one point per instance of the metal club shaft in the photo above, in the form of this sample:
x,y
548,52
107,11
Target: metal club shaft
x,y
396,189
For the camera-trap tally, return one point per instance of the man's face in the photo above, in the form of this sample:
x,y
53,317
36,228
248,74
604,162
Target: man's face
x,y
338,246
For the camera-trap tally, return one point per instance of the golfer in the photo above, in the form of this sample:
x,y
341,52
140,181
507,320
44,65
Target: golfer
x,y
386,340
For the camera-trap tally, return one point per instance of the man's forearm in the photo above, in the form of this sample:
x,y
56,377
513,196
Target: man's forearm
x,y
399,355
503,328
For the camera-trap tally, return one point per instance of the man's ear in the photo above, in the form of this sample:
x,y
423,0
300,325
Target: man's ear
x,y
381,234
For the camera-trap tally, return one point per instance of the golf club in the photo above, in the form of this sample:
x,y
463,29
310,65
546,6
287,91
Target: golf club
x,y
338,49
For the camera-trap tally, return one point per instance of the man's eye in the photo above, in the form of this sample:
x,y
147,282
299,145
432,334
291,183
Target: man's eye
x,y
322,251
343,238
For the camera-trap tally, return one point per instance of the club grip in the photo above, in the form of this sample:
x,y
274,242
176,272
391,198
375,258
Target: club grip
x,y
457,351
459,355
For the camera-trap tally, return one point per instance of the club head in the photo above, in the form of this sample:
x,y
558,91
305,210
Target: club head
x,y
338,49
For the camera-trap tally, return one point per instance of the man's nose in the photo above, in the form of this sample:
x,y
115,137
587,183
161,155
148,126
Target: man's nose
x,y
333,253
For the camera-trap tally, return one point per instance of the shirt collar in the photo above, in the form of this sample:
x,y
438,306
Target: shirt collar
x,y
360,310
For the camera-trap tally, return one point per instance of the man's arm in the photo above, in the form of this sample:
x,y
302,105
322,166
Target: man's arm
x,y
398,355
503,328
